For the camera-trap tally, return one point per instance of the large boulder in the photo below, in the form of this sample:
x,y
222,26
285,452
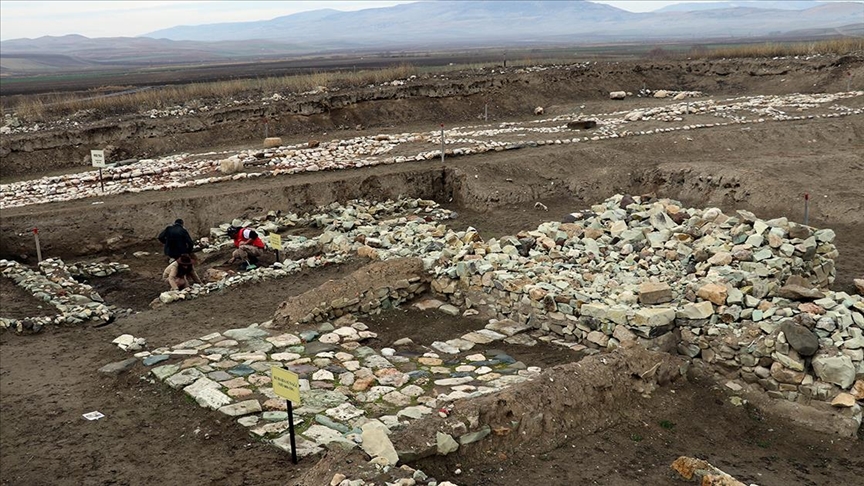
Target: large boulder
x,y
802,340
839,370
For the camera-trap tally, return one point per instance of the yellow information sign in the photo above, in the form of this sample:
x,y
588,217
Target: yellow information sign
x,y
275,241
286,384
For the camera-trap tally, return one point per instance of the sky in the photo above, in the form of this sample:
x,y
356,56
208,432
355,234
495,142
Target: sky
x,y
132,18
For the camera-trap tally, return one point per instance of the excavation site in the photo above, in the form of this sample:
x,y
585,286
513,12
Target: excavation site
x,y
602,272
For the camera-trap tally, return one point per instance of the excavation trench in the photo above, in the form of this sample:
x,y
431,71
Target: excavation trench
x,y
758,170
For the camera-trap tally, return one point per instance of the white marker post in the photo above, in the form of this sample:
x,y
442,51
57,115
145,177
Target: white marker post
x,y
486,111
38,248
97,157
442,142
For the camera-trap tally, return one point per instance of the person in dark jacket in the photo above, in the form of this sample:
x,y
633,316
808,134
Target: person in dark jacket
x,y
176,240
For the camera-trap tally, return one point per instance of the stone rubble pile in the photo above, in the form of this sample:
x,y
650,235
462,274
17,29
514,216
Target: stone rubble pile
x,y
351,395
410,477
54,283
739,292
186,170
96,269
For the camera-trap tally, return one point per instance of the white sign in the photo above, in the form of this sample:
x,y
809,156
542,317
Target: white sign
x,y
98,158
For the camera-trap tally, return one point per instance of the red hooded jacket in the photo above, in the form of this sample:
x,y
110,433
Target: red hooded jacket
x,y
242,238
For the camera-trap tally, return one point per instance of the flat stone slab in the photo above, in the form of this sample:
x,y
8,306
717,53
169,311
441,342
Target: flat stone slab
x,y
155,359
507,327
445,348
242,408
344,412
428,304
327,436
284,340
118,367
165,371
305,447
450,310
246,333
183,378
521,339
483,336
270,428
219,376
206,392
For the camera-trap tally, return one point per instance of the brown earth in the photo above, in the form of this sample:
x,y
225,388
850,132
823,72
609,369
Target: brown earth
x,y
149,433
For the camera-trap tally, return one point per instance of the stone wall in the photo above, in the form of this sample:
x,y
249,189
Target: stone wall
x,y
380,285
76,302
738,292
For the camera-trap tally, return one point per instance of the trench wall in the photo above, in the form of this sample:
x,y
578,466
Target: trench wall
x,y
82,228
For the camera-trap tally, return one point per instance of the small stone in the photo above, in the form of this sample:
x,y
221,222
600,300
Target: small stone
x,y
450,310
858,390
714,293
654,317
697,311
843,400
651,293
376,443
445,443
118,367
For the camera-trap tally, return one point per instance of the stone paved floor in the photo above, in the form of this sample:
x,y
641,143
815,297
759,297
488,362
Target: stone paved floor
x,y
344,384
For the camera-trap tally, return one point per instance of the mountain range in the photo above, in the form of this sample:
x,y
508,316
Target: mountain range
x,y
429,25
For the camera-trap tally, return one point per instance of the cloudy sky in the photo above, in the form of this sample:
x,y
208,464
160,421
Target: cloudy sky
x,y
131,18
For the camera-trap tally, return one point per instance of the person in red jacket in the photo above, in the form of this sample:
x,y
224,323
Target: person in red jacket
x,y
249,246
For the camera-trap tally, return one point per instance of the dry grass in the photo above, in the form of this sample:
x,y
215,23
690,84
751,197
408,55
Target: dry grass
x,y
834,46
110,101
55,105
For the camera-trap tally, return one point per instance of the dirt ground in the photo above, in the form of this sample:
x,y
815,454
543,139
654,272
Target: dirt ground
x,y
155,435
686,419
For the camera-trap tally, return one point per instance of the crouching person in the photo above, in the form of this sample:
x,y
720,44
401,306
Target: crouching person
x,y
181,273
249,246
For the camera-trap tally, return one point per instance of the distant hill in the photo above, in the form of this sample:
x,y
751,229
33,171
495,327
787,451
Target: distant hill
x,y
46,54
766,4
432,25
474,23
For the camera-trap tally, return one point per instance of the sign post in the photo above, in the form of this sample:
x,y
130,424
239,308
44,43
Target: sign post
x,y
442,142
286,384
807,208
276,243
97,157
38,248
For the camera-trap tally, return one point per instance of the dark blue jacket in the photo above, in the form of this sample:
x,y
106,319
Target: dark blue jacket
x,y
176,240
